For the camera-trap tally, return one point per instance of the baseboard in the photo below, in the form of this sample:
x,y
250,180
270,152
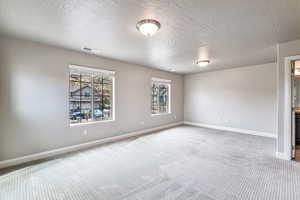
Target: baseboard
x,y
283,156
237,130
55,152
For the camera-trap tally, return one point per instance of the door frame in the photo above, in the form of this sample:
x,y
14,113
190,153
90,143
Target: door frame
x,y
288,105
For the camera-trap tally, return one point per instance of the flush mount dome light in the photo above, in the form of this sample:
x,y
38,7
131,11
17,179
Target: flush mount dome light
x,y
148,27
202,63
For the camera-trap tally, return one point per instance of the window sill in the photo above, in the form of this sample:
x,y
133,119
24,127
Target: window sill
x,y
161,114
93,122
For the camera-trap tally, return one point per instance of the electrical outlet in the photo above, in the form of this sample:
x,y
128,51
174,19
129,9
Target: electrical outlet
x,y
85,132
142,122
175,116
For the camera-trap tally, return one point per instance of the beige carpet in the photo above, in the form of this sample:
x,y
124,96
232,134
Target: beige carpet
x,y
179,163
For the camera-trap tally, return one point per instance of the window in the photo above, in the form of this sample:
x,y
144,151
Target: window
x,y
161,98
91,95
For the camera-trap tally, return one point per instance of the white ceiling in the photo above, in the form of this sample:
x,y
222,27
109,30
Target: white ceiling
x,y
231,33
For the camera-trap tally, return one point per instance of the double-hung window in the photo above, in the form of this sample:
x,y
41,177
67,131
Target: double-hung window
x,y
161,96
91,95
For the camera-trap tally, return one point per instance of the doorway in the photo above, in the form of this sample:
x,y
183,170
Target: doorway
x,y
290,107
295,64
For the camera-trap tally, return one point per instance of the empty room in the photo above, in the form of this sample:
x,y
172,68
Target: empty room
x,y
149,99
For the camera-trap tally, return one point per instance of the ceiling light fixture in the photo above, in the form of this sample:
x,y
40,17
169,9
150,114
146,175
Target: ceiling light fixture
x,y
148,27
202,63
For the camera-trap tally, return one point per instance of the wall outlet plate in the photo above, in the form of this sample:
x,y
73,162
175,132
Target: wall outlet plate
x,y
85,132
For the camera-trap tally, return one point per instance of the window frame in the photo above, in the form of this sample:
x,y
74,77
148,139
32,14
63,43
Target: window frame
x,y
96,70
164,82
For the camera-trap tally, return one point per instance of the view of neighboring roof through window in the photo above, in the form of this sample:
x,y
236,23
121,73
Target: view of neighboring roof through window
x,y
91,95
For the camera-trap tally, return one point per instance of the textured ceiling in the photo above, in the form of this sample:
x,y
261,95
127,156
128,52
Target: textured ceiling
x,y
231,33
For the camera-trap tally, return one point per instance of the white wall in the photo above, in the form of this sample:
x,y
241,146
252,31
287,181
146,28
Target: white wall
x,y
283,50
34,103
243,98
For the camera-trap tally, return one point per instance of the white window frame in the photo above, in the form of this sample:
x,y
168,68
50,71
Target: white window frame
x,y
92,69
165,82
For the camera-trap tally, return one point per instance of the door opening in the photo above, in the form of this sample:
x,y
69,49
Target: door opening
x,y
295,109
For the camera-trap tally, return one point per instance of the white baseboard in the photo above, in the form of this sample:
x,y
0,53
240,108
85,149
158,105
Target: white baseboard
x,y
237,130
283,156
46,154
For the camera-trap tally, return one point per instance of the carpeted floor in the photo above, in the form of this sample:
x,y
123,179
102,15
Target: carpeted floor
x,y
179,163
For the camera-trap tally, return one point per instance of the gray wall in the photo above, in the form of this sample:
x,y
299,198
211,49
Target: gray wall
x,y
243,98
283,50
34,103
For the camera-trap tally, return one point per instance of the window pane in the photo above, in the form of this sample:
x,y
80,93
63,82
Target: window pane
x,y
107,101
102,98
163,98
74,112
74,98
86,98
98,109
155,102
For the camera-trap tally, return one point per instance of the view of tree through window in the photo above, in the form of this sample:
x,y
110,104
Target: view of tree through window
x,y
160,97
90,96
